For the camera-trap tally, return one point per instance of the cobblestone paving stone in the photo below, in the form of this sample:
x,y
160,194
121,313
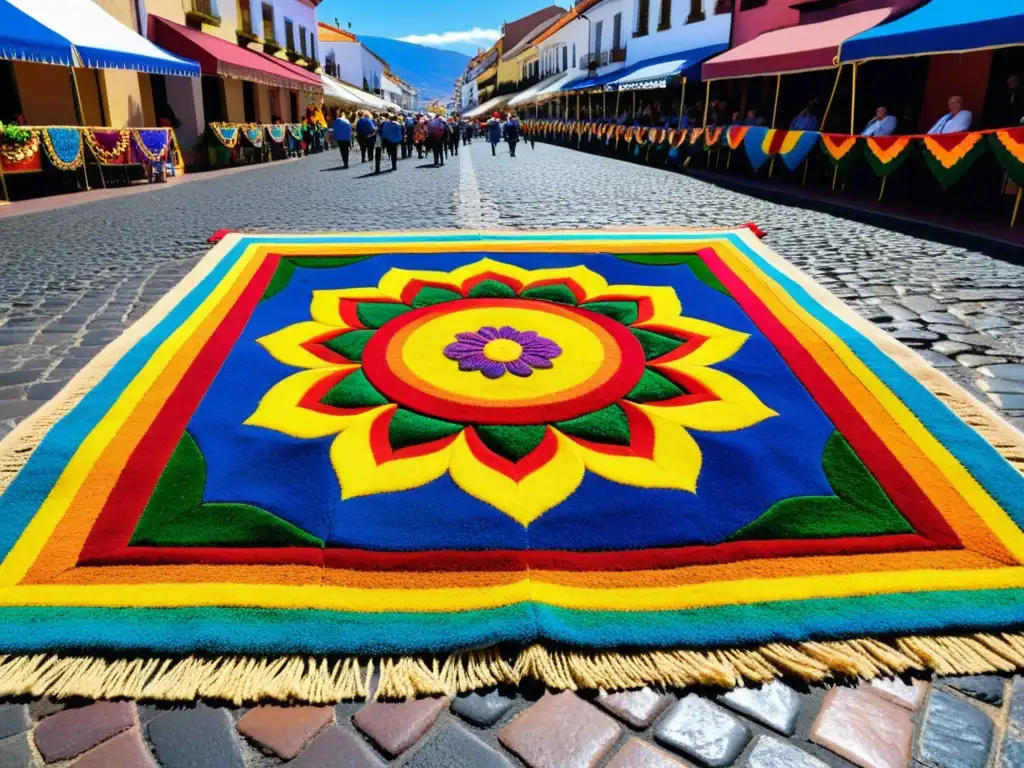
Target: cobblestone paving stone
x,y
76,278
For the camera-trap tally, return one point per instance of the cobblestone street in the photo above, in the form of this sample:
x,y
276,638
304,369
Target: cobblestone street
x,y
76,277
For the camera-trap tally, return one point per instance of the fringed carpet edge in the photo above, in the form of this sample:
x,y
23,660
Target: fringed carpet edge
x,y
323,680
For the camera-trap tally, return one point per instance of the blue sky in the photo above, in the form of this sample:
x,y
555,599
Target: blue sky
x,y
458,25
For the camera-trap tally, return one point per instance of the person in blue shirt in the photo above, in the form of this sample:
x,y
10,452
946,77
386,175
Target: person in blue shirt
x,y
807,120
512,133
882,124
390,139
753,118
342,136
956,120
366,134
494,131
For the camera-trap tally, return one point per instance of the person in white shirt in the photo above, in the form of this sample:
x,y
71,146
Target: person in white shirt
x,y
956,120
882,124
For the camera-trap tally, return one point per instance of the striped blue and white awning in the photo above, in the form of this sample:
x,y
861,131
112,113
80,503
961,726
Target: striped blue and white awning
x,y
80,33
656,72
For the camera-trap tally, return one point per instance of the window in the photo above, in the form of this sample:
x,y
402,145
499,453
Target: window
x,y
312,46
723,6
643,15
598,30
665,15
302,39
268,23
574,55
746,5
617,31
244,16
331,65
289,35
696,11
565,57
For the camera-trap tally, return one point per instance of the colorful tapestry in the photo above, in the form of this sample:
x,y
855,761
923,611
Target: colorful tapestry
x,y
152,143
108,145
644,457
64,148
886,153
840,149
253,135
22,158
1008,147
735,136
950,155
277,133
226,133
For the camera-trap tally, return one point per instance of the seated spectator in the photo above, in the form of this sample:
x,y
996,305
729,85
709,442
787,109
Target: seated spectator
x,y
1011,110
806,120
753,118
956,120
882,124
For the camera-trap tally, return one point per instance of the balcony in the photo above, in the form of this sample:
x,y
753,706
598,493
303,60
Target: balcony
x,y
244,32
199,12
593,60
617,55
270,44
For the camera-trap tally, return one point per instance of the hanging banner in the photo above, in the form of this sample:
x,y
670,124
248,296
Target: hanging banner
x,y
712,136
950,155
64,148
887,153
792,147
735,136
277,133
840,149
254,135
24,157
1008,146
755,144
695,134
108,145
226,133
151,144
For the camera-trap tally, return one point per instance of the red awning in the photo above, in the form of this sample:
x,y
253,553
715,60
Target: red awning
x,y
220,57
792,49
312,80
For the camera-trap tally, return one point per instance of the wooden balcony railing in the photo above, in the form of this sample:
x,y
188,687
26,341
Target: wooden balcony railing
x,y
617,55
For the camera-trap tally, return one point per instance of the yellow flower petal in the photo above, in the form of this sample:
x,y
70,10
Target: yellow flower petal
x,y
737,407
361,475
532,496
285,345
722,343
675,462
280,411
325,307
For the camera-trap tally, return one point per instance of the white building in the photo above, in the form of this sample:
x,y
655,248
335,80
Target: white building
x,y
559,50
343,56
676,27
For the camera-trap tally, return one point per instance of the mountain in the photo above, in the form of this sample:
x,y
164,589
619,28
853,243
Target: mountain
x,y
432,70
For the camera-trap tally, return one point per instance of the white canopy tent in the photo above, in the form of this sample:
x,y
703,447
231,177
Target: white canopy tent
x,y
530,94
485,109
346,95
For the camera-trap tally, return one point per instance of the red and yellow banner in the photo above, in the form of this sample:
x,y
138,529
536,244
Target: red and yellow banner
x,y
695,134
840,149
1008,147
735,134
712,136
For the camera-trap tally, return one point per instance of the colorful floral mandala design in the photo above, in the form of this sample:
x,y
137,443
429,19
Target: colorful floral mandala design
x,y
515,382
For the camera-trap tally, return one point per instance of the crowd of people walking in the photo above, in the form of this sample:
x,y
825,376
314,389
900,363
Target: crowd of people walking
x,y
432,136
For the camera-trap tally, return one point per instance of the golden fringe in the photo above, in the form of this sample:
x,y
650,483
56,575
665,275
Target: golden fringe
x,y
319,680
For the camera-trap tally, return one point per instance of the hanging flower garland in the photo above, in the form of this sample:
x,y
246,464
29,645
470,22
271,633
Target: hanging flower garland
x,y
152,142
276,133
253,133
226,133
64,148
107,144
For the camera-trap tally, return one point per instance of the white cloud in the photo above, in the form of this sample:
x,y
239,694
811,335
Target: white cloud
x,y
474,36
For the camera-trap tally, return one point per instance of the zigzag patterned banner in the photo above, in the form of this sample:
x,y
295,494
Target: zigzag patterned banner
x,y
950,155
840,149
1008,147
735,136
887,153
712,136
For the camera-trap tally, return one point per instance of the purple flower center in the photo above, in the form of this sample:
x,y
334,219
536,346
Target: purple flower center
x,y
495,351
